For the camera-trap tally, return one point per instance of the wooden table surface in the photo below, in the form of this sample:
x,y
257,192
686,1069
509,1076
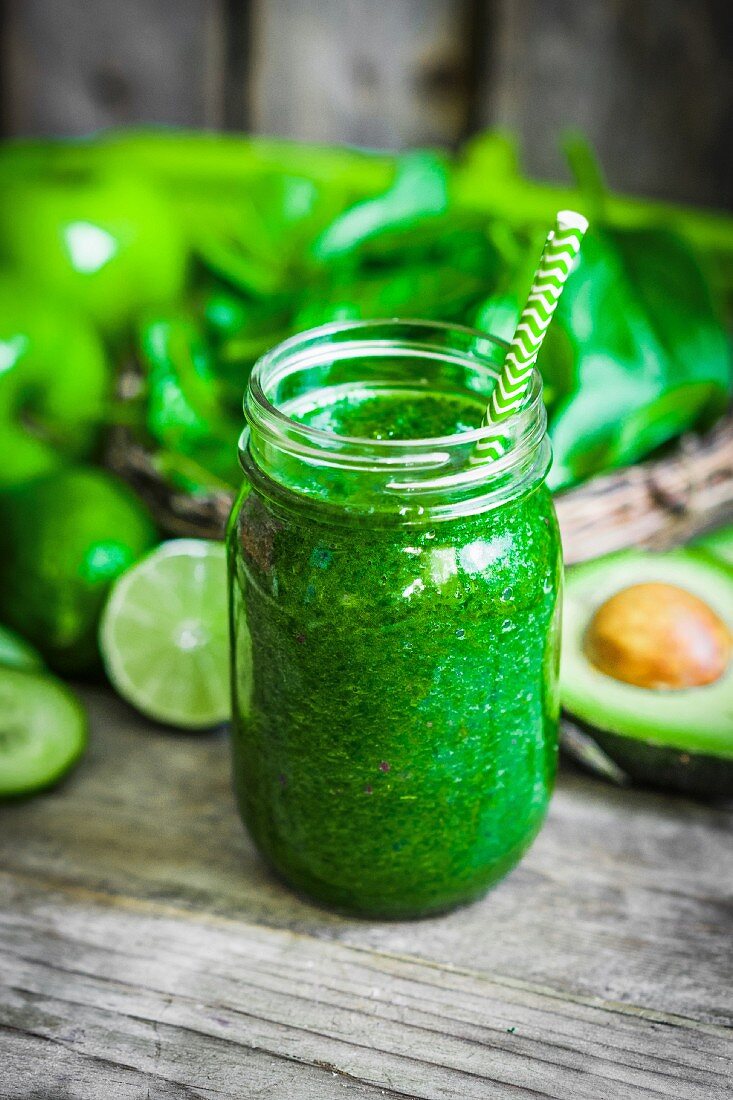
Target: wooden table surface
x,y
146,953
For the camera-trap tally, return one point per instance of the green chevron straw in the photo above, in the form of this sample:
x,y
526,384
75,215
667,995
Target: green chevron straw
x,y
561,248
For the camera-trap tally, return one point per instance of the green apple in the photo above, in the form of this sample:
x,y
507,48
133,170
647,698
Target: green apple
x,y
54,383
64,538
108,242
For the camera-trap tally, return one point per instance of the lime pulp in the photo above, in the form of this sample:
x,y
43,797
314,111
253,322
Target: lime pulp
x,y
164,635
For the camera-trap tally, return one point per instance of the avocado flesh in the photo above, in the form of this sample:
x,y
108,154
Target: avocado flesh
x,y
678,739
718,543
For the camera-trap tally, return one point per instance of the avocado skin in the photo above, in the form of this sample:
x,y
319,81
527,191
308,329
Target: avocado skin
x,y
651,749
697,774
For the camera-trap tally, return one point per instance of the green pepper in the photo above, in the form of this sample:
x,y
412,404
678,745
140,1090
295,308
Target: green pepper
x,y
107,243
54,383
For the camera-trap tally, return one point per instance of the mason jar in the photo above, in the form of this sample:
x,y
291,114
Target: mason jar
x,y
394,614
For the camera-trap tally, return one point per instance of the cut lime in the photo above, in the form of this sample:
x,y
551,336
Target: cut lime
x,y
16,652
164,635
43,731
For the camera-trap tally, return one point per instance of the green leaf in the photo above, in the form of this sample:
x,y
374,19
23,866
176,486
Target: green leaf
x,y
441,277
649,358
185,412
586,172
419,192
260,248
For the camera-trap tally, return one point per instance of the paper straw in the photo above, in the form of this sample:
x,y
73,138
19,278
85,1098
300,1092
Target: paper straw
x,y
509,393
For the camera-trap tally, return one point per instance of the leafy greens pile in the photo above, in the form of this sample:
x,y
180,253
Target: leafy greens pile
x,y
278,238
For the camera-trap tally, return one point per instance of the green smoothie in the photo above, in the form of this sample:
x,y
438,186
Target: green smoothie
x,y
395,702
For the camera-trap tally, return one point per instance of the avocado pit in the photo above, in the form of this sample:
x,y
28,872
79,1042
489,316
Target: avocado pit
x,y
658,636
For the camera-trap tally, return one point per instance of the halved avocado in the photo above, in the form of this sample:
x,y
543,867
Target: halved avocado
x,y
718,543
682,738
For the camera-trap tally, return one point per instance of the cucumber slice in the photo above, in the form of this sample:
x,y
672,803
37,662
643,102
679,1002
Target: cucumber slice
x,y
43,731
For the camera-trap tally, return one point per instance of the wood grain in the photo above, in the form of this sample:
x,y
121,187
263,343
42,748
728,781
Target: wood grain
x,y
655,504
374,73
187,998
145,949
648,82
74,67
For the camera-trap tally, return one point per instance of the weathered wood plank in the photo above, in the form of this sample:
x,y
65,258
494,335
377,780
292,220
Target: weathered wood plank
x,y
369,72
625,895
187,998
649,82
58,1067
74,67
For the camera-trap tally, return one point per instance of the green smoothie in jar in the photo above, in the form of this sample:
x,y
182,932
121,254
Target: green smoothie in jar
x,y
394,612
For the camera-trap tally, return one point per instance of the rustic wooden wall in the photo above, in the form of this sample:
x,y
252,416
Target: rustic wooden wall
x,y
649,81
71,66
377,72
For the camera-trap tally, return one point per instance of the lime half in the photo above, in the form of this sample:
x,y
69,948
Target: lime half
x,y
164,635
43,731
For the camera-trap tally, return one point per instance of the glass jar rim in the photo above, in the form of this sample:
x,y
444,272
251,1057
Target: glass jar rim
x,y
300,340
407,465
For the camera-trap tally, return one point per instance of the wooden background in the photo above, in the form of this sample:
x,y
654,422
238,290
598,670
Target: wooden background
x,y
648,81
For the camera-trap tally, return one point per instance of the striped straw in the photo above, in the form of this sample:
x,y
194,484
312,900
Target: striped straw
x,y
509,393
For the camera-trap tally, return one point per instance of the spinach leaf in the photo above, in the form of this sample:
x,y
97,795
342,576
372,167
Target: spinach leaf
x,y
418,193
185,412
645,353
